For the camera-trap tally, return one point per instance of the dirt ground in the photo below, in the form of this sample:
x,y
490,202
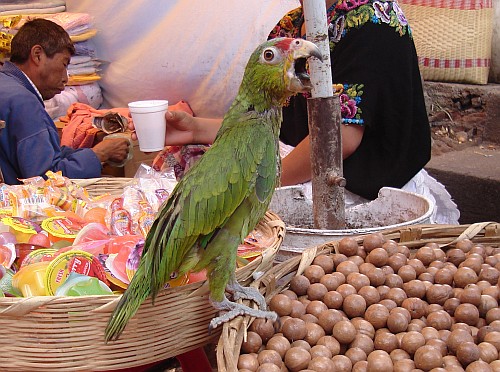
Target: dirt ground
x,y
448,137
458,134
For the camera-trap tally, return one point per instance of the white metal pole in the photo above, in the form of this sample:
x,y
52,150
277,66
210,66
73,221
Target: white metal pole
x,y
317,32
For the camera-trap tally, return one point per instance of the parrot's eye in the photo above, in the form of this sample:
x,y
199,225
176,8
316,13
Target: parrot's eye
x,y
268,54
271,56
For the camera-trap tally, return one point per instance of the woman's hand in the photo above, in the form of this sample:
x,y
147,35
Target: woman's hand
x,y
181,128
185,129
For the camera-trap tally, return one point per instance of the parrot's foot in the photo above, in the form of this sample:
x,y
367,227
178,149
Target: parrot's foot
x,y
238,292
233,310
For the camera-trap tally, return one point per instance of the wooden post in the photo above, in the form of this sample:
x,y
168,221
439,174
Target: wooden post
x,y
324,127
326,163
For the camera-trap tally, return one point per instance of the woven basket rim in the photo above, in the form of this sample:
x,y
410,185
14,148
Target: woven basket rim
x,y
103,185
413,236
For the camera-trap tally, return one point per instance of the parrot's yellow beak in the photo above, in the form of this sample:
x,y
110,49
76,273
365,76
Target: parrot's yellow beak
x,y
305,49
302,50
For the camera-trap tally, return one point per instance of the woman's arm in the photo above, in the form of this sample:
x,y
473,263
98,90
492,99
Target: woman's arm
x,y
185,129
296,167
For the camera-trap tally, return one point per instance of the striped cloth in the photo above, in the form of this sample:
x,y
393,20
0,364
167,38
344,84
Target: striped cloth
x,y
453,4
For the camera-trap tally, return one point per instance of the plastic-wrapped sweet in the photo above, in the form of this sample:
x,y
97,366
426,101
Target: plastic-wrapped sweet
x,y
30,280
125,242
7,237
65,263
41,239
23,250
118,263
94,247
61,228
7,255
37,254
22,228
113,275
146,218
121,219
28,202
133,260
82,285
92,231
6,288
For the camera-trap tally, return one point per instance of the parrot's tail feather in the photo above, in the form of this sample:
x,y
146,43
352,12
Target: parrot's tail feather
x,y
137,292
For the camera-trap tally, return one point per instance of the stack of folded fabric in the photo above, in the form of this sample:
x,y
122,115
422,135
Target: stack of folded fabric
x,y
83,69
14,7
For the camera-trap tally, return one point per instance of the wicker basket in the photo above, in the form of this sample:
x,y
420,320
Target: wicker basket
x,y
452,38
99,186
49,333
277,279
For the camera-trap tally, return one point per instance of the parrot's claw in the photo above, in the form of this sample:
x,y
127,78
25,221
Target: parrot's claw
x,y
239,292
233,310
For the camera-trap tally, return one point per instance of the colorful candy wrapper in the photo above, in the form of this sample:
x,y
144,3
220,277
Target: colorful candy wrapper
x,y
133,260
22,228
28,202
146,218
72,261
82,285
121,220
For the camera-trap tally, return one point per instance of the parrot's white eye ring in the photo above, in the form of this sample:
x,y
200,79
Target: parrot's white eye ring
x,y
271,56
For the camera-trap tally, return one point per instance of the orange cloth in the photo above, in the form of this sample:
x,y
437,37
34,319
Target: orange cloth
x,y
78,131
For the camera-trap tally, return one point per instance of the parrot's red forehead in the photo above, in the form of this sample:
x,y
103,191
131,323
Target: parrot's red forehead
x,y
284,43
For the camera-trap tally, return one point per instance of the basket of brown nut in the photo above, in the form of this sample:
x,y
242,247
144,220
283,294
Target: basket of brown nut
x,y
424,297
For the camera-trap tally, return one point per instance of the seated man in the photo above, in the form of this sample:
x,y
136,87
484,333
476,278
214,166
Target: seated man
x,y
29,142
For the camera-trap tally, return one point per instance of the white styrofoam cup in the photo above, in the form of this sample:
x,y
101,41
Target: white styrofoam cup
x,y
150,124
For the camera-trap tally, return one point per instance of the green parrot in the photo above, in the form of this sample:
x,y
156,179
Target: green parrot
x,y
222,197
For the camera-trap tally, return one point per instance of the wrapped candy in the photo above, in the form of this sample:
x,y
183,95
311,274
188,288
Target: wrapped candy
x,y
82,285
121,220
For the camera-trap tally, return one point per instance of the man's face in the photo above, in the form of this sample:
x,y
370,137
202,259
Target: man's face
x,y
53,74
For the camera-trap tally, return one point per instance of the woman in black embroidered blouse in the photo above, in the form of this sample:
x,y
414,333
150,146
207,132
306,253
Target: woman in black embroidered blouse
x,y
386,134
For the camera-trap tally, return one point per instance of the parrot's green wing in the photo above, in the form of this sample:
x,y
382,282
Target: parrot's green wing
x,y
241,165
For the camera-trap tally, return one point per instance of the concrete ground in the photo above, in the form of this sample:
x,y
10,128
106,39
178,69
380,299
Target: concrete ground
x,y
472,177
